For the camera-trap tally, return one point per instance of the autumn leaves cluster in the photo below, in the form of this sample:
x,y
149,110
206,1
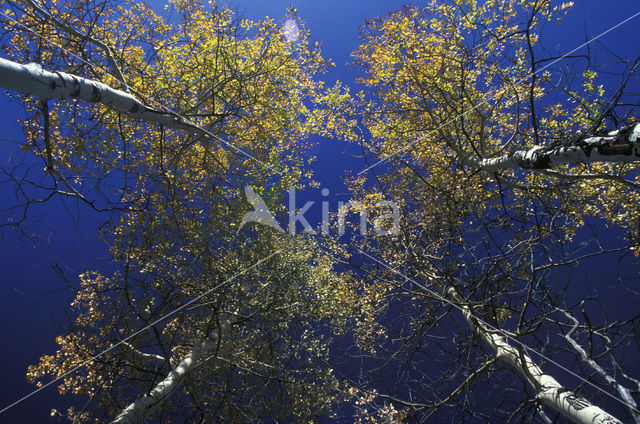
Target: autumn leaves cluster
x,y
443,85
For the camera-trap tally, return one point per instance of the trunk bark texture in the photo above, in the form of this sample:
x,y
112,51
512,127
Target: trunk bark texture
x,y
550,393
621,145
32,79
138,411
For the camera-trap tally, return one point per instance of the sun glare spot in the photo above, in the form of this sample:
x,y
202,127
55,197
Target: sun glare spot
x,y
291,31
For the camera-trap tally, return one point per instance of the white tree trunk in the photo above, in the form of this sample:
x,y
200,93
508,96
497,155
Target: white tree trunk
x,y
32,79
138,411
548,390
35,4
617,146
624,392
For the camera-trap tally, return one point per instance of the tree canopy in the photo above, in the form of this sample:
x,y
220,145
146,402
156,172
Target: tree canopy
x,y
499,157
241,94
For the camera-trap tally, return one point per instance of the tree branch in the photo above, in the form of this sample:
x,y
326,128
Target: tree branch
x,y
617,146
138,411
623,391
151,356
83,37
33,79
549,391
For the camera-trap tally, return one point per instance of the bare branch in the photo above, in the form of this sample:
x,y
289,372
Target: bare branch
x,y
623,391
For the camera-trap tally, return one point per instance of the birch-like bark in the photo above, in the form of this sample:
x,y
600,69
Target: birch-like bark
x,y
144,355
624,393
83,37
138,411
551,393
617,146
32,79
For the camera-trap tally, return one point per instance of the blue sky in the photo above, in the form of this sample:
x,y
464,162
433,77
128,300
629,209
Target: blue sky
x,y
70,236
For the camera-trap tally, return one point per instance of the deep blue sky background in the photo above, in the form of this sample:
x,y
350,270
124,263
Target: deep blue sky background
x,y
29,321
